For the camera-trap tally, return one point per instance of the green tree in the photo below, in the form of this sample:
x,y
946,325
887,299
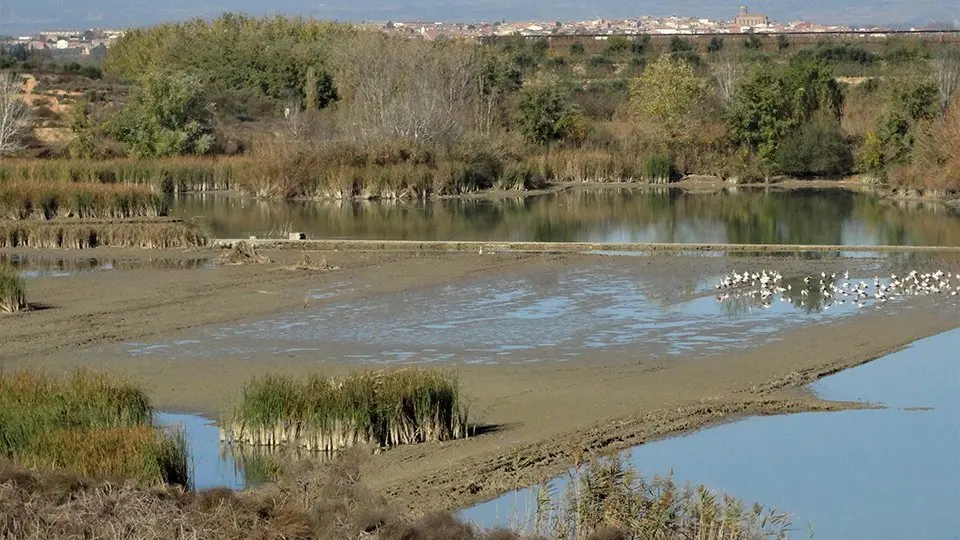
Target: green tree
x,y
909,101
576,48
769,105
667,91
715,45
167,115
752,43
545,115
83,144
782,42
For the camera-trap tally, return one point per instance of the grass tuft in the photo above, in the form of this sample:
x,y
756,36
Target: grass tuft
x,y
13,296
45,201
89,424
162,234
320,414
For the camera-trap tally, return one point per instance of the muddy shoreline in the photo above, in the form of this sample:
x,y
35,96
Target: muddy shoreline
x,y
535,420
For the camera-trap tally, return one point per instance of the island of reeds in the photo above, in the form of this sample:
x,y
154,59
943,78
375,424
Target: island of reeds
x,y
88,424
13,296
384,408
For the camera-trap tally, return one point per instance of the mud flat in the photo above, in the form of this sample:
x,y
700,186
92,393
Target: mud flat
x,y
536,417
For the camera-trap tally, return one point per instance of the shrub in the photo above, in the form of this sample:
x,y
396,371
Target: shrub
x,y
818,148
12,290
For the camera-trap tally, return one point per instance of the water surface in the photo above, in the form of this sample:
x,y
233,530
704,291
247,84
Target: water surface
x,y
888,473
752,216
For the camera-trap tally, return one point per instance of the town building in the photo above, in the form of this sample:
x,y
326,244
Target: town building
x,y
748,20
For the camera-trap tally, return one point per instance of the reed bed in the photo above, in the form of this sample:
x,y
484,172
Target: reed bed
x,y
13,297
386,408
86,423
167,234
46,201
606,499
169,175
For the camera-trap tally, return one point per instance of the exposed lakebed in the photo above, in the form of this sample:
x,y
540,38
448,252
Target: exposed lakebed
x,y
891,472
556,315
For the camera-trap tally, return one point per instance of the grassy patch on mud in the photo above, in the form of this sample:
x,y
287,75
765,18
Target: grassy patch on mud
x,y
13,296
89,424
386,408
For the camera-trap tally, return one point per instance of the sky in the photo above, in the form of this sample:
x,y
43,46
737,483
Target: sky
x,y
24,16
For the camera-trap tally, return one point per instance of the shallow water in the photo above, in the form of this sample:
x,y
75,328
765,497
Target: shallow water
x,y
34,266
889,473
825,217
556,315
210,464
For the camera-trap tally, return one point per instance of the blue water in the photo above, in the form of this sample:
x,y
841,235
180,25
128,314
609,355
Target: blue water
x,y
871,474
210,464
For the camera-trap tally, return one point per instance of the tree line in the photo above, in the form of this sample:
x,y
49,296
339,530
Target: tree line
x,y
735,110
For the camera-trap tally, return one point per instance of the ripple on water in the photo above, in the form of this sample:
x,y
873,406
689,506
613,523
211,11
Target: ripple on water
x,y
514,320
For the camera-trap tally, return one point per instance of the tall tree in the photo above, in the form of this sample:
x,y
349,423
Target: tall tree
x,y
14,115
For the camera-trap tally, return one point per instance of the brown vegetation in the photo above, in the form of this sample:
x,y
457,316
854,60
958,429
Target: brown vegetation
x,y
89,234
44,201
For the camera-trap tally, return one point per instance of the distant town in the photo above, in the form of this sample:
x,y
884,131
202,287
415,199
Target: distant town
x,y
95,42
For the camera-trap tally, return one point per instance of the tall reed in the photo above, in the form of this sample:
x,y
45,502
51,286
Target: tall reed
x,y
45,201
13,295
322,414
167,234
86,423
169,175
607,499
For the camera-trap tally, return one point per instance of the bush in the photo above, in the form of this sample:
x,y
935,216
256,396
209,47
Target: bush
x,y
12,291
818,148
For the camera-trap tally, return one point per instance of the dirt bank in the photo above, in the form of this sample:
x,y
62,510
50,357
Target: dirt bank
x,y
536,419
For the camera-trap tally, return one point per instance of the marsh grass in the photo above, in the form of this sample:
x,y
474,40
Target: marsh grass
x,y
170,175
89,424
46,201
607,499
13,297
165,234
386,408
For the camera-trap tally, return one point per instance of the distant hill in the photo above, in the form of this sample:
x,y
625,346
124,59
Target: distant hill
x,y
17,16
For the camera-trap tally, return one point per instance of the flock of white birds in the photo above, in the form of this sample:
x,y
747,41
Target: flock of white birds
x,y
829,289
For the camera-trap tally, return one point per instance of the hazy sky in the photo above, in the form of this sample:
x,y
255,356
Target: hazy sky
x,y
19,16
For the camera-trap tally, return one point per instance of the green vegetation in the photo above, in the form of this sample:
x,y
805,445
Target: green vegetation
x,y
77,234
13,296
88,424
290,93
36,200
384,408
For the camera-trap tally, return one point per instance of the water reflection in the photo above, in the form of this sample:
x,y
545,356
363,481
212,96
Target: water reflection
x,y
825,217
35,266
890,473
554,315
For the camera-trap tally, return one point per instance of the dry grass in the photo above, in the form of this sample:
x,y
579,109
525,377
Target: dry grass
x,y
329,502
385,408
171,175
45,201
935,166
164,234
13,297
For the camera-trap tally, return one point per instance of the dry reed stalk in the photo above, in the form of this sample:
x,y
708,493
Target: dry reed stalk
x,y
165,234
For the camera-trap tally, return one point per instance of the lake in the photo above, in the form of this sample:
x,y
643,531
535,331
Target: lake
x,y
748,216
886,473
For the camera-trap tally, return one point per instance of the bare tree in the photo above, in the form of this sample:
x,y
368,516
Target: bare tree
x,y
946,69
408,89
14,115
727,71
